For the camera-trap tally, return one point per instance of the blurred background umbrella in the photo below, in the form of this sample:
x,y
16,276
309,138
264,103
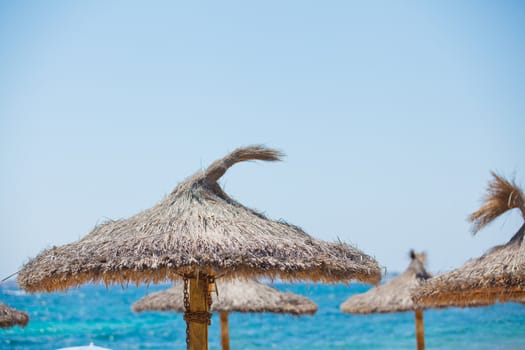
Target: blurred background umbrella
x,y
394,296
10,317
233,296
496,276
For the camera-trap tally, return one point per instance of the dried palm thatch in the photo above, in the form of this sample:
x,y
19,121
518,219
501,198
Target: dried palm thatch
x,y
235,295
393,296
10,317
199,229
496,276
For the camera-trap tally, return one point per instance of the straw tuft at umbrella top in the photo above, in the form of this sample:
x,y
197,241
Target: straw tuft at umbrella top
x,y
393,296
196,229
234,296
496,276
10,317
219,167
502,195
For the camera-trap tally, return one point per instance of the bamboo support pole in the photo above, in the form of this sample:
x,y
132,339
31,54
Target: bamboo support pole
x,y
198,303
420,333
225,336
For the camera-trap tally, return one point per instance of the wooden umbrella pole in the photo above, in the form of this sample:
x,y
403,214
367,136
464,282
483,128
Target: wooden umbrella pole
x,y
420,333
225,336
198,317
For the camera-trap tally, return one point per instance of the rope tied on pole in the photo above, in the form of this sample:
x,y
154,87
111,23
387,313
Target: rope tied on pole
x,y
201,317
198,317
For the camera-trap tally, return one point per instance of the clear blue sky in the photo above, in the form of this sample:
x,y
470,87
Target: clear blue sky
x,y
392,115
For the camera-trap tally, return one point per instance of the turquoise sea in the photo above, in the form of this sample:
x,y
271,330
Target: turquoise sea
x,y
94,313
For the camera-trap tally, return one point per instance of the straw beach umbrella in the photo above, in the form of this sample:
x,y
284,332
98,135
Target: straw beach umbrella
x,y
10,317
496,276
235,296
197,233
394,296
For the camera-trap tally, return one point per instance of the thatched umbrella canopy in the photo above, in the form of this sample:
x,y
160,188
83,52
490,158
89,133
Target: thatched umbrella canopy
x,y
496,276
394,296
197,232
10,317
235,295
